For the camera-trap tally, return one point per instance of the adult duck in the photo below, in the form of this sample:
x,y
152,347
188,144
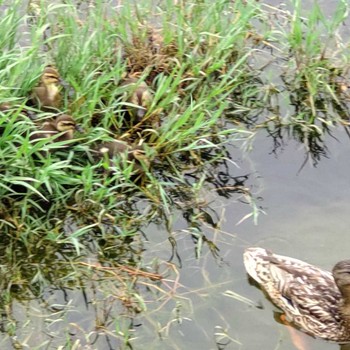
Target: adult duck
x,y
315,300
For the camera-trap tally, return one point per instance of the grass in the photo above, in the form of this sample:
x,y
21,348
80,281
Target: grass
x,y
191,89
205,63
314,76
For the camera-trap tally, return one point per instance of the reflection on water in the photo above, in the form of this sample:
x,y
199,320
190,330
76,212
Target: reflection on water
x,y
84,292
51,295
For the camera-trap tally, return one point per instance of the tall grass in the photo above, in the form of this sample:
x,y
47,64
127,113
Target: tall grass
x,y
93,51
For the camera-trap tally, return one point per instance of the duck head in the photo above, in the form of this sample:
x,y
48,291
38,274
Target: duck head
x,y
50,76
341,274
142,99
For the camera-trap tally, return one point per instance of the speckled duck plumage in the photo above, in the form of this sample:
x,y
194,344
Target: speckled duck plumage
x,y
315,300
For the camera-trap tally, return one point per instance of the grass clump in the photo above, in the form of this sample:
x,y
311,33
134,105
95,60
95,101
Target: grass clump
x,y
183,130
308,96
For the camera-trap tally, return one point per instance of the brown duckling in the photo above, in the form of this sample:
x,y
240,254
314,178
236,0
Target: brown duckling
x,y
64,125
122,150
155,40
140,96
5,107
47,96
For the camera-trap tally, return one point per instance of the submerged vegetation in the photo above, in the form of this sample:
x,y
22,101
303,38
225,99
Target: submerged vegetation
x,y
167,96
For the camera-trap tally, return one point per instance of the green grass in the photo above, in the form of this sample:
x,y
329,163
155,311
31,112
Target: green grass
x,y
314,77
192,87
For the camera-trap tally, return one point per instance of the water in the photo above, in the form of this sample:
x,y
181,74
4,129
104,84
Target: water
x,y
306,218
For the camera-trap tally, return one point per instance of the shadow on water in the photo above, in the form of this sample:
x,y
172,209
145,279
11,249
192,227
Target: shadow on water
x,y
79,298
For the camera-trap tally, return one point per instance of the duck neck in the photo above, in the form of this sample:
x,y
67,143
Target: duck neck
x,y
345,308
52,91
65,135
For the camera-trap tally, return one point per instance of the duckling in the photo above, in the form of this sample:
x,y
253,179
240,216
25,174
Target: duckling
x,y
46,96
4,107
10,113
64,125
116,148
155,40
140,96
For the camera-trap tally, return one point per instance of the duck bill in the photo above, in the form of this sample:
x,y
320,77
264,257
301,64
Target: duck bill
x,y
141,112
79,128
64,83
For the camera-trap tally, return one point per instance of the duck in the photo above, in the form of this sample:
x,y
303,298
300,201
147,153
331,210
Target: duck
x,y
315,300
10,112
63,125
139,96
5,107
155,40
118,149
47,95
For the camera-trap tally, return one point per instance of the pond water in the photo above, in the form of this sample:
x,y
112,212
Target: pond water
x,y
306,218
